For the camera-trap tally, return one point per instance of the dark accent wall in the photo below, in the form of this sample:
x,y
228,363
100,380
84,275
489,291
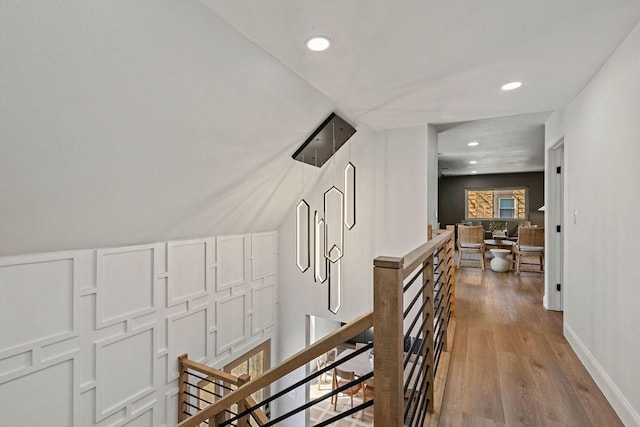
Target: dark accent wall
x,y
451,193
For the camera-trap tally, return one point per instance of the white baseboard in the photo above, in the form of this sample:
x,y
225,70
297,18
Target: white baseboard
x,y
628,415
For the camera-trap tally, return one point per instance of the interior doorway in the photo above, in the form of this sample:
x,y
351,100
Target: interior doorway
x,y
555,224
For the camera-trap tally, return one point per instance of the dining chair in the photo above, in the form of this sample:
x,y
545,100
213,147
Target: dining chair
x,y
324,361
530,244
359,345
470,240
341,378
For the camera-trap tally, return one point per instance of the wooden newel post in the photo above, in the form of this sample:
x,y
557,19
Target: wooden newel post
x,y
242,405
182,388
388,339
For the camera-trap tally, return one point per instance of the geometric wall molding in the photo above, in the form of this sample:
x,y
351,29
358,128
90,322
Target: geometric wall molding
x,y
263,308
14,364
55,406
171,404
230,311
263,254
117,387
42,293
188,269
187,333
125,282
142,417
231,253
90,340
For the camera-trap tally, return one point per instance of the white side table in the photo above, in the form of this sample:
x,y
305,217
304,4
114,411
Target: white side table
x,y
500,263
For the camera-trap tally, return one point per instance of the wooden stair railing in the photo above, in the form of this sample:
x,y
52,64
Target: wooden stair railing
x,y
213,377
212,412
410,363
406,389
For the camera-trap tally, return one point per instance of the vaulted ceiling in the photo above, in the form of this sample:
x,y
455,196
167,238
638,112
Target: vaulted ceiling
x,y
402,63
132,121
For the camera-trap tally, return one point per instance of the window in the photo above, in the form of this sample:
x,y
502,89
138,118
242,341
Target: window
x,y
253,363
492,203
506,207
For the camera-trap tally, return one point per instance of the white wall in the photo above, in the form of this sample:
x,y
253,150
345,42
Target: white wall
x,y
601,318
391,171
402,171
124,122
91,338
432,172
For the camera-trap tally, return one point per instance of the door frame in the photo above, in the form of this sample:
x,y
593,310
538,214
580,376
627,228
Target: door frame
x,y
555,196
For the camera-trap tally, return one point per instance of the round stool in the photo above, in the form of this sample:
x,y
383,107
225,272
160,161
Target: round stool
x,y
500,263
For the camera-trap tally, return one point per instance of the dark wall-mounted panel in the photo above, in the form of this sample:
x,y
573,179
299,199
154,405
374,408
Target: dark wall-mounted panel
x,y
320,146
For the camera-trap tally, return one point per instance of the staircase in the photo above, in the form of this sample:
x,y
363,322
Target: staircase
x,y
413,320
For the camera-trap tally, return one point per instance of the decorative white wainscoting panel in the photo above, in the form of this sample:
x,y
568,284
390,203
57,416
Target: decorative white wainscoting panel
x,y
230,312
42,398
126,283
263,312
125,368
41,292
188,333
232,252
91,337
263,255
188,272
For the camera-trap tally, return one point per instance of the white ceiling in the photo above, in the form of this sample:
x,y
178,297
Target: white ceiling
x,y
506,144
125,122
402,63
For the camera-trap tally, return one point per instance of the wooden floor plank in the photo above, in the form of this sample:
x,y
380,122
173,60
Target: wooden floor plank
x,y
511,364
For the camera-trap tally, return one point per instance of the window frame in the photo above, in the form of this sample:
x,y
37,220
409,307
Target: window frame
x,y
513,209
496,208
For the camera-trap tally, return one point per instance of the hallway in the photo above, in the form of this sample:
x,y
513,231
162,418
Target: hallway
x,y
510,363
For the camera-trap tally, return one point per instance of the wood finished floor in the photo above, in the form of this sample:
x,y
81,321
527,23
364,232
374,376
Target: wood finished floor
x,y
510,363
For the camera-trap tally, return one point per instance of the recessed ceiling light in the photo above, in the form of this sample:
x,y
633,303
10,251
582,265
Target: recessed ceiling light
x,y
473,162
474,171
318,43
473,143
511,86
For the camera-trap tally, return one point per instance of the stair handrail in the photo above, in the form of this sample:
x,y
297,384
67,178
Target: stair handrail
x,y
387,320
315,350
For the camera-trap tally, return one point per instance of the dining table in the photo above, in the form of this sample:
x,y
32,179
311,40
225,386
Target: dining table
x,y
362,365
359,365
499,243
